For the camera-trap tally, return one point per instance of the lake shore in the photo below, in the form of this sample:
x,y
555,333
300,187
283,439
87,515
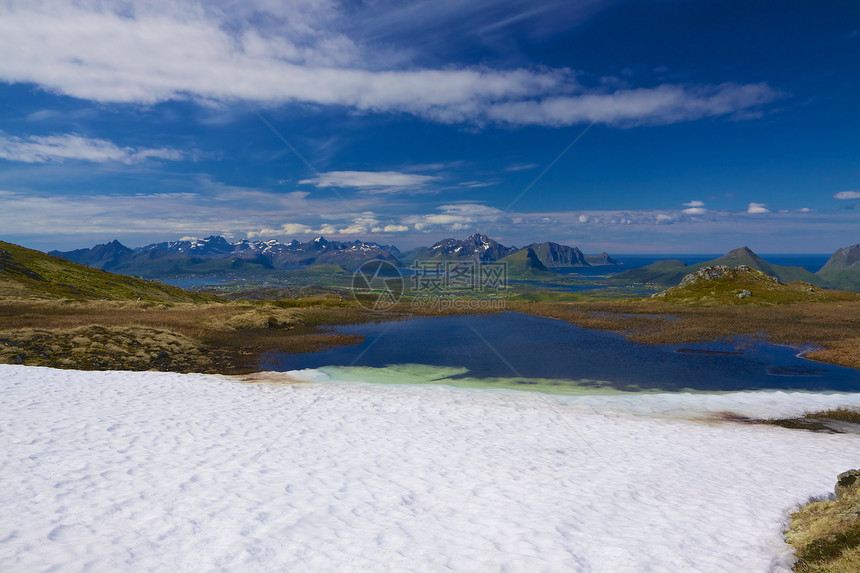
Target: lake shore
x,y
231,337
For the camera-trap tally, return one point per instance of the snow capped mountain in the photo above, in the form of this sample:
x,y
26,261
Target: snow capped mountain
x,y
189,255
474,248
217,255
211,246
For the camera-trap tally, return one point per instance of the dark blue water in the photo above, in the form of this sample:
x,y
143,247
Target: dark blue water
x,y
518,345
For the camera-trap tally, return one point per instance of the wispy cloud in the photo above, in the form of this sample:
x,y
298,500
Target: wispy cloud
x,y
628,107
71,146
521,167
371,181
846,195
113,51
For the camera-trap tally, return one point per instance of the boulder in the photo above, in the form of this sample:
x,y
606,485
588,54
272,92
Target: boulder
x,y
848,483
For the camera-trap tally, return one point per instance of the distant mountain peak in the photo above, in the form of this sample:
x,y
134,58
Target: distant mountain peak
x,y
843,268
741,251
474,247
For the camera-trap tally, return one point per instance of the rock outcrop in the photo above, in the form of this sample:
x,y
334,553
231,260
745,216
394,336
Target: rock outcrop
x,y
721,271
848,484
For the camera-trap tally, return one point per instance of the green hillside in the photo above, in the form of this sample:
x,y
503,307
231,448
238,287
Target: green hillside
x,y
30,274
843,269
525,264
845,279
670,272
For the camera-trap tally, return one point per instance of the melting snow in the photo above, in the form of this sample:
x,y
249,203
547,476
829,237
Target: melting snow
x,y
116,471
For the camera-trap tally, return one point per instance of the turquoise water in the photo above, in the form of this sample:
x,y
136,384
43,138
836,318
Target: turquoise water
x,y
527,352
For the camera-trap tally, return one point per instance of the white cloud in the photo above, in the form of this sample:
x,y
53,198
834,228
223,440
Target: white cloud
x,y
395,228
371,181
42,149
276,53
695,208
659,105
757,208
844,195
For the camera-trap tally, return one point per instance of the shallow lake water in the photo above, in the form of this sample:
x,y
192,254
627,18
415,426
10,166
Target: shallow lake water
x,y
512,350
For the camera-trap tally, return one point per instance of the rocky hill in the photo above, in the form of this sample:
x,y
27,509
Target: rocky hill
x,y
601,260
556,255
720,285
671,272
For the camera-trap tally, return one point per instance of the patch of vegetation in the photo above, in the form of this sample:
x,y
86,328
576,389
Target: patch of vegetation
x,y
841,414
826,536
101,348
820,421
802,424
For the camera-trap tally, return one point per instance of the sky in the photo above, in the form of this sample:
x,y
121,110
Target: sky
x,y
659,126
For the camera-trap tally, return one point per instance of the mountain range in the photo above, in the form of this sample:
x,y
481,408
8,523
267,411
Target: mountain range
x,y
214,255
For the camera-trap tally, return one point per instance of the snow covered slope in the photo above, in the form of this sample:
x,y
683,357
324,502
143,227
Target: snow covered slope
x,y
109,471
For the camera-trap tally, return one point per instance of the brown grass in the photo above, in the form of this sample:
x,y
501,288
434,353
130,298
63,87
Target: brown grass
x,y
826,536
215,337
820,421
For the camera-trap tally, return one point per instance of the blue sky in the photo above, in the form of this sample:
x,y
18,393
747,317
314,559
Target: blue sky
x,y
663,126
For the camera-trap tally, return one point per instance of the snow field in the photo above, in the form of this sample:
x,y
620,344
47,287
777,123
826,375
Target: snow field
x,y
105,471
